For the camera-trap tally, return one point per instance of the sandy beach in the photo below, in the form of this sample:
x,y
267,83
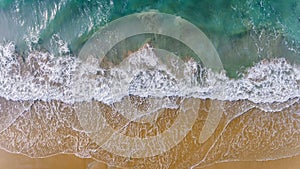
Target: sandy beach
x,y
244,132
15,161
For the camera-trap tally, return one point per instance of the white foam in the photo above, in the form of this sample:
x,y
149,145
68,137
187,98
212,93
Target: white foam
x,y
45,77
268,81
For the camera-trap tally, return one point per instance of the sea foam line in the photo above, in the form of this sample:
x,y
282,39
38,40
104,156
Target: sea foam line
x,y
45,77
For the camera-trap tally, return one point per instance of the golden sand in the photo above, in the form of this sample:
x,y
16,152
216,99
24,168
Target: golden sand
x,y
244,132
66,161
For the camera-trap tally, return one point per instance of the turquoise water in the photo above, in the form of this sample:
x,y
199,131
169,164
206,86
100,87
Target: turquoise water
x,y
45,49
243,32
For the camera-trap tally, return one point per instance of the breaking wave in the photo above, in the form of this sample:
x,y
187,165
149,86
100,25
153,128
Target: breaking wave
x,y
42,76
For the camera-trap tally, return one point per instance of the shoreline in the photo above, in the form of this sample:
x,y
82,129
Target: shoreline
x,y
243,132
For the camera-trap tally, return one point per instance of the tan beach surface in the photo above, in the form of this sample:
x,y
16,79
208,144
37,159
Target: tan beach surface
x,y
199,133
67,161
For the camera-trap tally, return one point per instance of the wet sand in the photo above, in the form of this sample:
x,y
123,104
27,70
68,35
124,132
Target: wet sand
x,y
244,133
67,161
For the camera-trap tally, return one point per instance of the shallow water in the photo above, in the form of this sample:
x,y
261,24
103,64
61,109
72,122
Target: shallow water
x,y
150,84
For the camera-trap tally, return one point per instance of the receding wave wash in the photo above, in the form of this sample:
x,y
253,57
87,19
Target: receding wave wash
x,y
160,84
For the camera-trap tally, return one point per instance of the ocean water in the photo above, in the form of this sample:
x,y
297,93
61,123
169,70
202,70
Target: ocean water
x,y
160,90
